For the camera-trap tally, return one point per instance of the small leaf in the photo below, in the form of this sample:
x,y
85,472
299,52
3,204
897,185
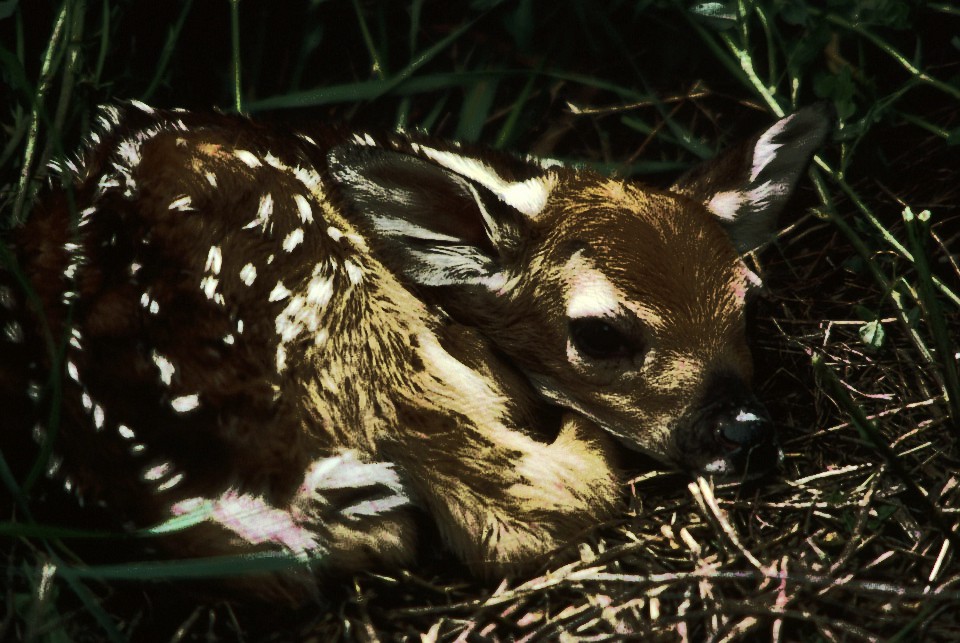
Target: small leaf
x,y
872,334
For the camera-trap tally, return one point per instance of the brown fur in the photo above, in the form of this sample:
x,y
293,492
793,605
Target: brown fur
x,y
244,326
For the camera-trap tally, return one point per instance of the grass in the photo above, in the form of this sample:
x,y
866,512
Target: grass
x,y
855,340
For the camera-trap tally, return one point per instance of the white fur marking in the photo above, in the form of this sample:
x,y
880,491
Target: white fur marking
x,y
303,208
279,292
167,369
353,272
183,204
591,294
143,107
248,158
264,210
126,432
319,290
214,260
529,197
766,148
185,403
209,286
157,471
293,240
726,205
248,274
171,483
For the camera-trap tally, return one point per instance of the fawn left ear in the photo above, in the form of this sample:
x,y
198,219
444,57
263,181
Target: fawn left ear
x,y
445,221
746,186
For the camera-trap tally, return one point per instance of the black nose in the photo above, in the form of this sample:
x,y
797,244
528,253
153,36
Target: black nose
x,y
747,438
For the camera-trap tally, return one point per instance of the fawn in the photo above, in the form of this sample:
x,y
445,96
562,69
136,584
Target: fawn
x,y
298,336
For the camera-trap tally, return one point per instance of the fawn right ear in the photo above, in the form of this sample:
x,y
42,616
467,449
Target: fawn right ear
x,y
442,223
746,186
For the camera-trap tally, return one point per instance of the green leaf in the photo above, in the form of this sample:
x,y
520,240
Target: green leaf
x,y
872,334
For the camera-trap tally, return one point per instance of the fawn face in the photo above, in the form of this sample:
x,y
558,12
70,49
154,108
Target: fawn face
x,y
619,302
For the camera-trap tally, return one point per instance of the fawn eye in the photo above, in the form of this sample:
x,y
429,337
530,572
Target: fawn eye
x,y
599,339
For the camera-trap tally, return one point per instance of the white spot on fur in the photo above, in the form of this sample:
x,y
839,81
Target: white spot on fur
x,y
171,483
129,151
143,107
281,358
211,179
248,158
183,204
87,401
279,292
126,432
185,403
209,286
334,233
303,208
248,274
214,260
228,339
293,240
157,471
107,182
319,290
167,369
353,272
73,372
135,268
98,416
264,210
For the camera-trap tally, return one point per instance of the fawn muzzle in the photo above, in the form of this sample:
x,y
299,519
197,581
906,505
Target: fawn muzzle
x,y
736,428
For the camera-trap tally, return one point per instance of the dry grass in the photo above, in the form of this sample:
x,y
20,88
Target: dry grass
x,y
855,540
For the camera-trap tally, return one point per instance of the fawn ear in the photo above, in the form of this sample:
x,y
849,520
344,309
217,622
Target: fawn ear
x,y
746,186
444,218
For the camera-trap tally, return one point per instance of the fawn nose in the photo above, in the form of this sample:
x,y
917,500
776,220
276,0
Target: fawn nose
x,y
745,432
741,431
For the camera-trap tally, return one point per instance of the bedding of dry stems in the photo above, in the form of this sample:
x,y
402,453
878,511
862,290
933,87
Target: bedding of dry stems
x,y
856,537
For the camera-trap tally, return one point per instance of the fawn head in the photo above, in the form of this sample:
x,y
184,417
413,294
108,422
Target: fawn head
x,y
619,302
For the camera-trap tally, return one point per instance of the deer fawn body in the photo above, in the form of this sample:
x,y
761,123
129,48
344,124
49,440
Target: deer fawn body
x,y
295,336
